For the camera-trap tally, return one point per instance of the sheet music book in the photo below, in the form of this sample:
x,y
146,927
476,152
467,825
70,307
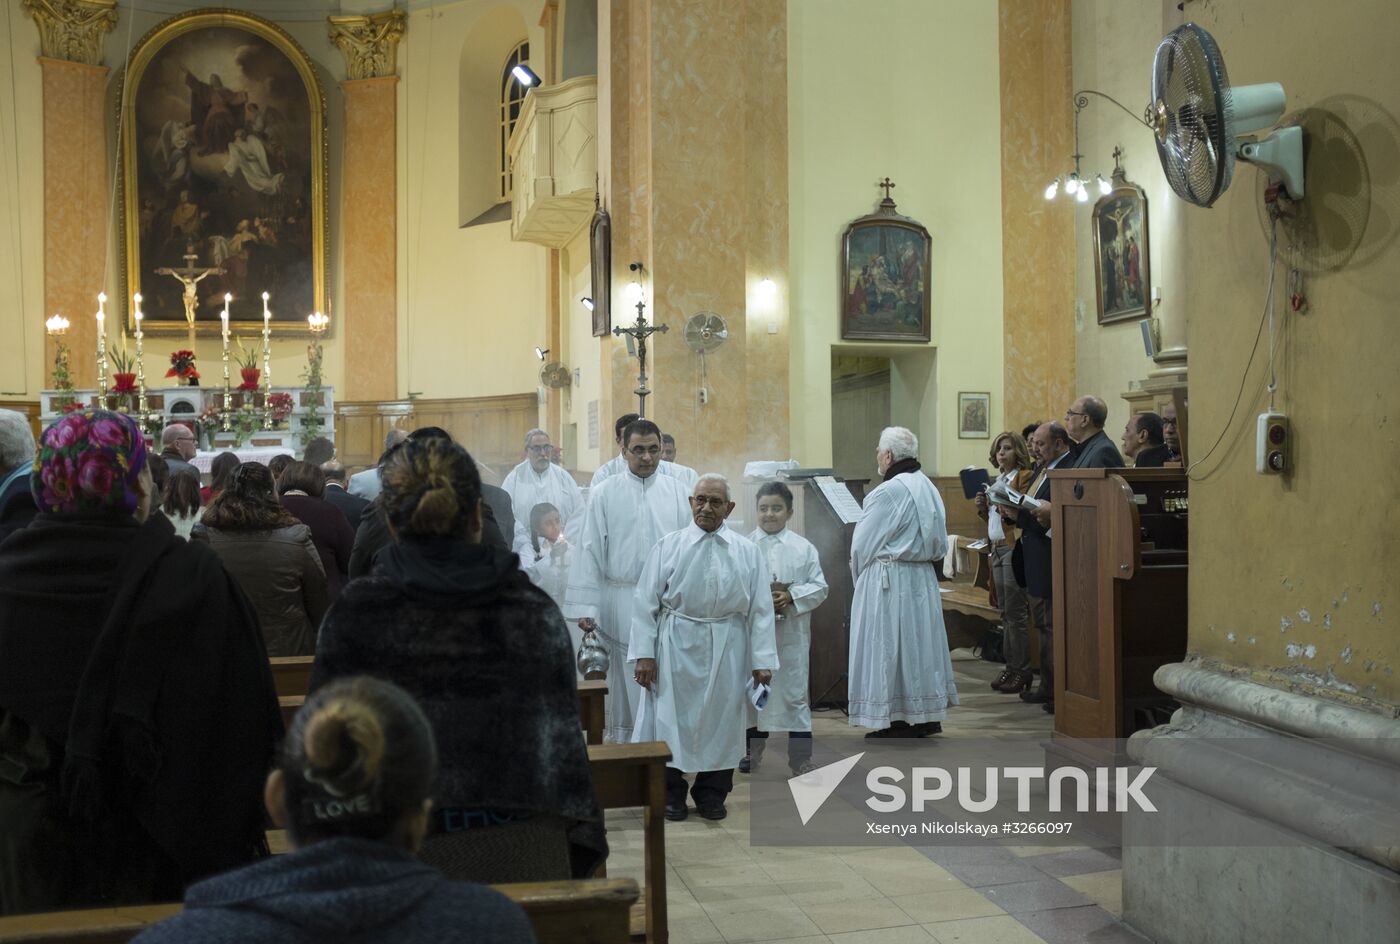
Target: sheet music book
x,y
840,498
1000,493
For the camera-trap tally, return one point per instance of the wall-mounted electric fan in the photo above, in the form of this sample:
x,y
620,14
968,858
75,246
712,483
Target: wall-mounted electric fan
x,y
1202,122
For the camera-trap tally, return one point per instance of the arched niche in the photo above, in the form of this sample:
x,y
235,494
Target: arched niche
x,y
489,42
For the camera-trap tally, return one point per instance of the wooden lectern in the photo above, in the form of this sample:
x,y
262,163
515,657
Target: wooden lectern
x,y
815,519
1119,591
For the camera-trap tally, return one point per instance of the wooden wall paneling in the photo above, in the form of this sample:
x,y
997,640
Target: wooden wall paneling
x,y
29,408
490,428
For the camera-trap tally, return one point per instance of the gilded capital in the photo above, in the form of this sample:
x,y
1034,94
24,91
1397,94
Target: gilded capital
x,y
368,42
73,29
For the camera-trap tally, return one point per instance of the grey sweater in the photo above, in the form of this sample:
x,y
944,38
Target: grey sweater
x,y
345,891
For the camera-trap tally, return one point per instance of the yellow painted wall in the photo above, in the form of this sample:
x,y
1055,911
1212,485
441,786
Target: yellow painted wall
x,y
1114,41
1295,577
22,369
581,352
930,121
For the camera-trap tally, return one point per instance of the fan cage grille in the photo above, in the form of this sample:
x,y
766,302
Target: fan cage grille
x,y
1189,79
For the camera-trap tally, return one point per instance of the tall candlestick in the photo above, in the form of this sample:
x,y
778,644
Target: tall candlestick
x,y
102,348
141,407
228,392
267,364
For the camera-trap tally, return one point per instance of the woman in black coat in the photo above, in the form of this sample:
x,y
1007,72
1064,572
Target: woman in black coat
x,y
459,626
302,487
137,711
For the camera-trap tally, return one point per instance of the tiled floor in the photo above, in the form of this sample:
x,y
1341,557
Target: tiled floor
x,y
721,889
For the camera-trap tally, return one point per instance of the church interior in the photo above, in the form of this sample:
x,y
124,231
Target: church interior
x,y
476,214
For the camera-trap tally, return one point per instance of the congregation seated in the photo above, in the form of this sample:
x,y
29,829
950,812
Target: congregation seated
x,y
137,712
272,556
318,451
219,471
278,464
351,506
16,462
352,787
180,502
303,486
374,534
459,626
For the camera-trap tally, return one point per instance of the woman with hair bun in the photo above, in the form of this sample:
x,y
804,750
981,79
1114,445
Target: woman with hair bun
x,y
485,652
352,787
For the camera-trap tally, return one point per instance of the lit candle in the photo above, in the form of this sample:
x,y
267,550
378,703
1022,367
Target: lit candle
x,y
267,345
102,347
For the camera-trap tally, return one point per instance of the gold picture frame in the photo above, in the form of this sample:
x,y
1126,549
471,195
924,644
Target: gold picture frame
x,y
236,172
1122,268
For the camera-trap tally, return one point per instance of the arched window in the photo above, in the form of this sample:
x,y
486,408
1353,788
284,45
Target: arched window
x,y
512,98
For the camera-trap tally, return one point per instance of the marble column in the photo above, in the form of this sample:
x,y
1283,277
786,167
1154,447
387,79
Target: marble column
x,y
697,182
368,210
71,33
1037,235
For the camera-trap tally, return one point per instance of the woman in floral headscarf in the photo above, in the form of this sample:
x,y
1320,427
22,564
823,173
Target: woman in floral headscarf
x,y
137,713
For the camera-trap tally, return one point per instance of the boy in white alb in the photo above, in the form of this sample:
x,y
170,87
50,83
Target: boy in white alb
x,y
798,588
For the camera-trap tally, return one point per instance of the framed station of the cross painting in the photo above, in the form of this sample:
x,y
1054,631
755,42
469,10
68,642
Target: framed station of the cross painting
x,y
885,278
223,159
1121,272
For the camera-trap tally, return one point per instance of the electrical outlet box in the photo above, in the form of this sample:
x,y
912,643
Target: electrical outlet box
x,y
704,395
1273,445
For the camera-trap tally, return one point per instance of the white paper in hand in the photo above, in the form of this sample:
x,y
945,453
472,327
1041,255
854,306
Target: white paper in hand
x,y
757,693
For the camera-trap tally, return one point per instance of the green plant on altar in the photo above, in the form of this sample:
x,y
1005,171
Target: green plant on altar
x,y
247,357
62,378
246,420
123,361
311,421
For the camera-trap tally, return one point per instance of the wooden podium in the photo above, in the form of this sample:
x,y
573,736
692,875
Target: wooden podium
x,y
1119,590
815,519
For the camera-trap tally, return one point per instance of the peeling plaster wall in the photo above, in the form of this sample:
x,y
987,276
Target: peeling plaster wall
x,y
1294,578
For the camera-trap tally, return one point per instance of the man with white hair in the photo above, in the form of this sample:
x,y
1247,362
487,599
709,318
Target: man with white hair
x,y
626,515
703,620
17,507
900,678
535,481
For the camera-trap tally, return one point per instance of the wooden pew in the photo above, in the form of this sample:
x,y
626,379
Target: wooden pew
x,y
594,911
291,675
590,704
632,775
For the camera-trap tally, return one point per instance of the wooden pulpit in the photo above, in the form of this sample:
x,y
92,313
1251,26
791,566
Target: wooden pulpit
x,y
1119,595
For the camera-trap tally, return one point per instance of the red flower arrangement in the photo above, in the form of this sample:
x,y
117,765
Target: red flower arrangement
x,y
125,382
182,366
73,406
281,405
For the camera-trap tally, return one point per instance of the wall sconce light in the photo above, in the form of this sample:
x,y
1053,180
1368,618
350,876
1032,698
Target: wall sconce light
x,y
540,352
317,322
587,302
768,291
525,76
1076,185
57,326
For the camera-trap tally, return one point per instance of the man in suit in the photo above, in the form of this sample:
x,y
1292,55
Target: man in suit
x,y
1084,421
352,506
1143,442
17,507
1052,443
497,519
366,484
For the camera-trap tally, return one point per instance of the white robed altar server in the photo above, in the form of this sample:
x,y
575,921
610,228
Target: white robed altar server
x,y
900,673
625,517
618,463
703,622
791,560
536,481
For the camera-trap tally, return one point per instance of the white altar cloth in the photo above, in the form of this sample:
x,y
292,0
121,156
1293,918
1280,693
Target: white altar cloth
x,y
203,460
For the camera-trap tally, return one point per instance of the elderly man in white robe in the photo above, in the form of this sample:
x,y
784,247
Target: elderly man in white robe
x,y
900,678
537,480
703,622
627,514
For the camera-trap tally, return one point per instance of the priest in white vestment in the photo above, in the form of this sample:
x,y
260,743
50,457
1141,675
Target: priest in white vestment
x,y
618,463
626,516
703,622
798,588
537,481
900,678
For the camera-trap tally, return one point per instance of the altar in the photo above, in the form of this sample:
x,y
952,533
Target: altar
x,y
304,415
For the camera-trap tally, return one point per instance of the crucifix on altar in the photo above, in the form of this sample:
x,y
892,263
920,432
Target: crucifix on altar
x,y
189,276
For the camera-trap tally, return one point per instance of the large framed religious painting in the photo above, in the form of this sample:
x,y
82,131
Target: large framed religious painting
x,y
223,167
885,278
600,252
1121,273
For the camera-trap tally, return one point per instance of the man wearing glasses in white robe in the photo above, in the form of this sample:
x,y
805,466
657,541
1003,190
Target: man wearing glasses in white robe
x,y
704,621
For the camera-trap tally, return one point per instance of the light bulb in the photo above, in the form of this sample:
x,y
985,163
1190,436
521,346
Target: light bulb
x,y
1052,189
1104,187
587,302
1072,185
1083,195
767,291
634,292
